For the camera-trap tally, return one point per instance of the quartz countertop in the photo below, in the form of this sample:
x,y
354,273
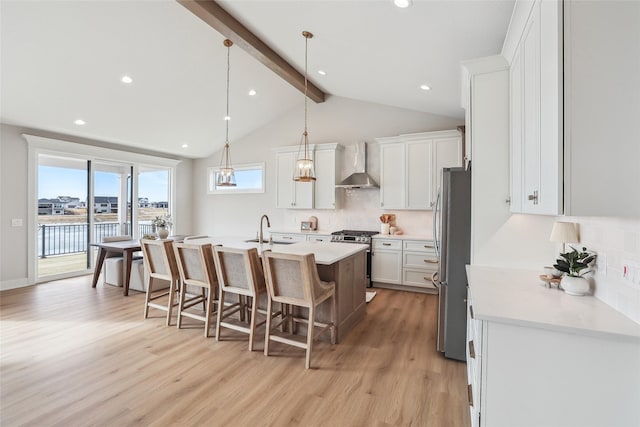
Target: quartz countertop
x,y
403,237
326,253
518,297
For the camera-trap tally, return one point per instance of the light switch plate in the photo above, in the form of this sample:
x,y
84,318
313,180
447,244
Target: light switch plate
x,y
16,222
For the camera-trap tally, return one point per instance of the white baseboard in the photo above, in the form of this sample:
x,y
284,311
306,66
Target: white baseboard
x,y
14,284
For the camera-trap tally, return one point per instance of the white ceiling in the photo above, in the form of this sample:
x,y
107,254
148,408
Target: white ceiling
x,y
63,60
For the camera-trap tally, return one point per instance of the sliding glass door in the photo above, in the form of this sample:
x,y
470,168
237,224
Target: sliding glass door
x,y
81,201
62,220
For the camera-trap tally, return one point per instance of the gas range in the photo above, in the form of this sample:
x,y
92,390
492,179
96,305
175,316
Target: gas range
x,y
353,236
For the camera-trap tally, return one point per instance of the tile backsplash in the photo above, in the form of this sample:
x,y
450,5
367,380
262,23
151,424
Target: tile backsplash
x,y
616,241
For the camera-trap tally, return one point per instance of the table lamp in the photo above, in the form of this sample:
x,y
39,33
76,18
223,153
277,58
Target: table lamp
x,y
564,232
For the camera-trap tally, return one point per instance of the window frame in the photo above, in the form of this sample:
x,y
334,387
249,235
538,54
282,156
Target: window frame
x,y
211,174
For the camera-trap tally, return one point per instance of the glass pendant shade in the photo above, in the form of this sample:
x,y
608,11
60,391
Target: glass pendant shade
x,y
304,170
226,175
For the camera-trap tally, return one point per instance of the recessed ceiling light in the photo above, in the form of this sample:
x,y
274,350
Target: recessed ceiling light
x,y
185,145
80,122
126,79
402,3
425,87
322,72
252,92
227,117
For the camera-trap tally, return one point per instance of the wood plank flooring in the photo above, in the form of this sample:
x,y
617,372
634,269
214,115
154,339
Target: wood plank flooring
x,y
72,355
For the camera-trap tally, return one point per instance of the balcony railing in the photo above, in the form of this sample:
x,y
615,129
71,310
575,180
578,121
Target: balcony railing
x,y
62,239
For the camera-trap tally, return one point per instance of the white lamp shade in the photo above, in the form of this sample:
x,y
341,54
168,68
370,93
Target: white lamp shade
x,y
564,232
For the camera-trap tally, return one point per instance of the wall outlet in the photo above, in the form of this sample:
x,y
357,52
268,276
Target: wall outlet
x,y
16,222
631,271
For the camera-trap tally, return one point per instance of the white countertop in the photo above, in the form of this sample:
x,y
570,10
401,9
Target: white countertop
x,y
403,237
298,231
326,253
517,297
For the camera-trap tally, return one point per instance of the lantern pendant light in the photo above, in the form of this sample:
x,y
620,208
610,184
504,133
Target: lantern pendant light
x,y
226,175
304,171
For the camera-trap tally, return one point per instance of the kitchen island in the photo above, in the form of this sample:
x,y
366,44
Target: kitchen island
x,y
342,263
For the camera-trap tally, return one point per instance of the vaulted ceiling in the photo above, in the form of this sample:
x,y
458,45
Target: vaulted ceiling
x,y
63,60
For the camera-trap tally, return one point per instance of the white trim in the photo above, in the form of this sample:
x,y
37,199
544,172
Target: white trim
x,y
53,146
15,284
211,187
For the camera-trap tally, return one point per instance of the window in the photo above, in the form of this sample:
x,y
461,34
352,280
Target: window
x,y
249,179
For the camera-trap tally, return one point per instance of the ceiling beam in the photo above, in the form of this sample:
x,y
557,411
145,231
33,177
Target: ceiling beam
x,y
221,21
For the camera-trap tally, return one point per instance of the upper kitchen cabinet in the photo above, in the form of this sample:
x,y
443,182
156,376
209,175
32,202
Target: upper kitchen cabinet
x,y
574,78
411,164
535,115
327,156
320,194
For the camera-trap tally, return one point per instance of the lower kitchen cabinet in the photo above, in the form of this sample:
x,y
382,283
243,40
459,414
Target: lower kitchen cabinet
x,y
406,264
539,357
386,261
288,237
420,263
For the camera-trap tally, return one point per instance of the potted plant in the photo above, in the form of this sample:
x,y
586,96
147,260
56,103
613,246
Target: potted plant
x,y
162,224
575,264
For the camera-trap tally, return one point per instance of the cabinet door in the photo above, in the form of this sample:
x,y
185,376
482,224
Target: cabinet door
x,y
325,186
448,154
515,77
284,177
392,176
386,266
530,56
419,177
289,193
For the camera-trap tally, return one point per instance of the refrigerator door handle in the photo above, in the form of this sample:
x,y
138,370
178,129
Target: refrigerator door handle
x,y
435,224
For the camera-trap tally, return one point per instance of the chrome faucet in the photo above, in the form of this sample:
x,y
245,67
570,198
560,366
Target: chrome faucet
x,y
260,237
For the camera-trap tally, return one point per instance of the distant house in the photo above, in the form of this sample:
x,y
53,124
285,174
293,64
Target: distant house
x,y
69,202
143,202
50,207
105,204
160,205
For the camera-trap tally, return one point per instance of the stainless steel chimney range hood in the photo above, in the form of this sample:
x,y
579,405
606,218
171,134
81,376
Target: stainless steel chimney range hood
x,y
359,178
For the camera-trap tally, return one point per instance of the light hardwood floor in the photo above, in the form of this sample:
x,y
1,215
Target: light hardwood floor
x,y
72,355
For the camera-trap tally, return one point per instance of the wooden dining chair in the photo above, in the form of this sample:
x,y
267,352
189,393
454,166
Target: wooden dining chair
x,y
160,263
197,269
240,273
292,280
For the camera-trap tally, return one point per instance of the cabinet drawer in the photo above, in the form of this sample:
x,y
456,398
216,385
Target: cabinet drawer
x,y
420,246
387,244
318,238
420,278
280,237
420,260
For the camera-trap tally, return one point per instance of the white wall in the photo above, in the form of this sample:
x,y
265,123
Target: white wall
x,y
341,120
14,195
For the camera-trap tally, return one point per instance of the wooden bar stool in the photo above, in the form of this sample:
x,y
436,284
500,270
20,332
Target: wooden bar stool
x,y
293,280
160,263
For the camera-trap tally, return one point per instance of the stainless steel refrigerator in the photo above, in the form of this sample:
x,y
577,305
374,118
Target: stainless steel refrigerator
x,y
452,233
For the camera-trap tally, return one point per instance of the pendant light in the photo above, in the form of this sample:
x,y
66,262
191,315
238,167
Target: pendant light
x,y
304,165
226,175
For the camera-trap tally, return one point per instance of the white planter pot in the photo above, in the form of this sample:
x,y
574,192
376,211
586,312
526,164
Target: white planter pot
x,y
163,233
575,285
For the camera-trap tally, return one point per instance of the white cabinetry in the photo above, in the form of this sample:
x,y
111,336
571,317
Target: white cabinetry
x,y
291,194
535,91
411,165
320,194
419,263
539,357
319,237
288,237
405,264
386,261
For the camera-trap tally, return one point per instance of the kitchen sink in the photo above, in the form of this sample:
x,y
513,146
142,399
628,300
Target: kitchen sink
x,y
265,241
